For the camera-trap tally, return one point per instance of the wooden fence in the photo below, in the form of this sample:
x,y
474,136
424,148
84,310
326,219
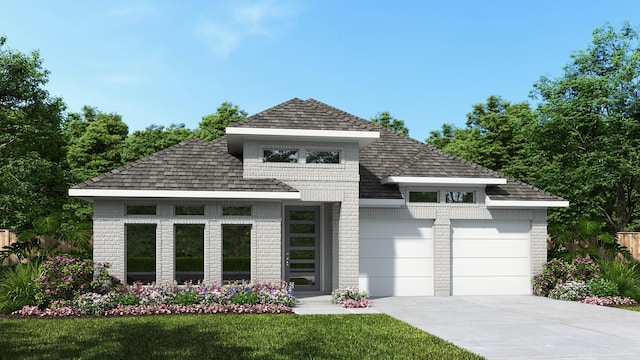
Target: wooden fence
x,y
7,237
631,240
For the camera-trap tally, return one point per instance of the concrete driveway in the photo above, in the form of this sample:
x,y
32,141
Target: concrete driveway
x,y
522,327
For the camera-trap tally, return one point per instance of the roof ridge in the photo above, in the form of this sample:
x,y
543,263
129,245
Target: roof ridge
x,y
141,160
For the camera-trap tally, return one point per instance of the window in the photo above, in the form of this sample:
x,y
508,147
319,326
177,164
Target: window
x,y
189,210
236,253
280,155
323,157
423,196
189,252
141,209
236,210
141,253
460,197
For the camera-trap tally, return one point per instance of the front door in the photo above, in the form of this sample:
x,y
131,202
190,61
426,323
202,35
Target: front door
x,y
302,247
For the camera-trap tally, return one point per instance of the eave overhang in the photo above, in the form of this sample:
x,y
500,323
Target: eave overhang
x,y
237,135
507,204
442,181
89,194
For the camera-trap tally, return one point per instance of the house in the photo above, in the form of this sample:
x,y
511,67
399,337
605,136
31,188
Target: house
x,y
310,194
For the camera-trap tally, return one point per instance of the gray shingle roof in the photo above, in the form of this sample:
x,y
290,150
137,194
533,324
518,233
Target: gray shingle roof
x,y
197,165
193,164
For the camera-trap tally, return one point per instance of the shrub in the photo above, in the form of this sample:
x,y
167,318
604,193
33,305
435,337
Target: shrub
x,y
187,298
609,301
65,278
351,297
94,304
571,291
602,287
557,271
623,274
17,286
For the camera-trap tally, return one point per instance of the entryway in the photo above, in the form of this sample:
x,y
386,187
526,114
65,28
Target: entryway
x,y
302,247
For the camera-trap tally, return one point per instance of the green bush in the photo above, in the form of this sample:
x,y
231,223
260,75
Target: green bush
x,y
623,274
127,299
558,271
571,291
187,298
603,287
245,298
17,286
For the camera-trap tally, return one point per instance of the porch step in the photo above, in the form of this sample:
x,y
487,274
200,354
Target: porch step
x,y
319,299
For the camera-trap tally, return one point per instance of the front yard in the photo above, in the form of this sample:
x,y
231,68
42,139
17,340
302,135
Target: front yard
x,y
222,337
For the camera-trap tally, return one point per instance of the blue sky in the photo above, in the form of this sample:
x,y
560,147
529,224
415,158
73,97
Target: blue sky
x,y
426,62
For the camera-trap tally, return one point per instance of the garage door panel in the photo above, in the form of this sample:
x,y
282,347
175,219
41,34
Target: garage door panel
x,y
396,267
506,285
491,266
490,248
399,248
490,257
491,229
393,286
396,229
396,257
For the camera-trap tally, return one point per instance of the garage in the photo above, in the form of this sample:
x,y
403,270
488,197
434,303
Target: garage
x,y
396,257
490,257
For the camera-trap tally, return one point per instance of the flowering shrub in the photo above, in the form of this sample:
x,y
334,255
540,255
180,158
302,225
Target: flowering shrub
x,y
603,287
571,290
137,299
351,298
557,271
609,301
65,277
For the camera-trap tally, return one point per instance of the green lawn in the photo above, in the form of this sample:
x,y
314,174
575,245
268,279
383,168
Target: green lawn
x,y
632,308
222,337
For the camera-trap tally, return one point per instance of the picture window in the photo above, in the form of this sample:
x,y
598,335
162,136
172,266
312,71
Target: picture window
x,y
423,196
189,210
460,197
280,156
236,210
141,210
323,157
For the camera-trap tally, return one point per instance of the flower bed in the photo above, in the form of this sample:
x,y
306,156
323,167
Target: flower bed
x,y
351,298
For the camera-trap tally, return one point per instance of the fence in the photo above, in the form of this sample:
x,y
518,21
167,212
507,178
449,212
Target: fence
x,y
631,240
7,237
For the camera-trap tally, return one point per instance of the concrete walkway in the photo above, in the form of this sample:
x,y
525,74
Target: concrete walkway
x,y
512,327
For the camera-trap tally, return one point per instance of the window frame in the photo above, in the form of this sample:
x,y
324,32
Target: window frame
x,y
448,198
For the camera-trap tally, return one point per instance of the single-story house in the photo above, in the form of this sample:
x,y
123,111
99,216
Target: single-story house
x,y
307,193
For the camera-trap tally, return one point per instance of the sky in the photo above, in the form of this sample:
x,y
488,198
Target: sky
x,y
426,62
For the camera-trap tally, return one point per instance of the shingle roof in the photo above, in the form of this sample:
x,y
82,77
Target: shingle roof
x,y
198,165
193,164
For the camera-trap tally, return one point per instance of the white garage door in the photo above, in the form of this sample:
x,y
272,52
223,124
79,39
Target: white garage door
x,y
490,258
396,257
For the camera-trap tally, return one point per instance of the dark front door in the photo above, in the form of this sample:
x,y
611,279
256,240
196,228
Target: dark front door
x,y
302,247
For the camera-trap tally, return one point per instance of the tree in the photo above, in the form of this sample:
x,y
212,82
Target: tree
x,y
494,137
589,129
95,140
214,125
385,119
32,178
154,138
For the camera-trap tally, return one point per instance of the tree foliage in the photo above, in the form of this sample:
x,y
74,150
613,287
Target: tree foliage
x,y
32,181
95,141
214,125
385,119
589,129
154,138
493,136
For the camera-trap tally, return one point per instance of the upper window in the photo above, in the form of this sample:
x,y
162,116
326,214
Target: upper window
x,y
189,210
141,209
323,157
423,196
280,155
460,197
236,210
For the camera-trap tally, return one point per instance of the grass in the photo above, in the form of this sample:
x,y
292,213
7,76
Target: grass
x,y
375,336
632,308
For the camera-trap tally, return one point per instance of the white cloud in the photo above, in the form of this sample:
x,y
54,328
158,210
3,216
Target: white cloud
x,y
248,19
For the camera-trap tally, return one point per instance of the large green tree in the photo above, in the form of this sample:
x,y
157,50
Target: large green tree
x,y
214,125
386,120
494,136
589,129
154,138
94,142
32,182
